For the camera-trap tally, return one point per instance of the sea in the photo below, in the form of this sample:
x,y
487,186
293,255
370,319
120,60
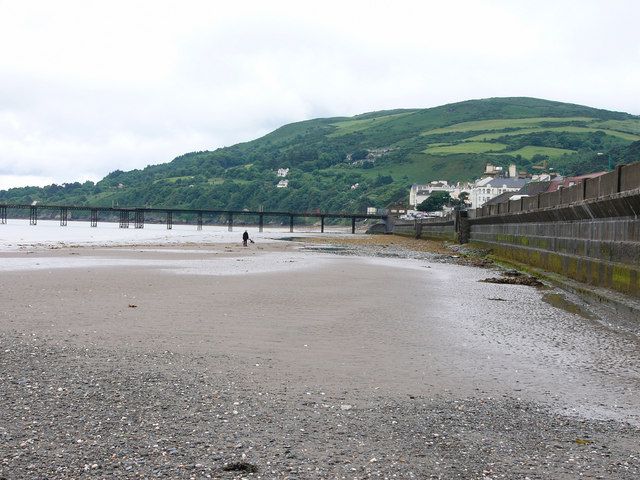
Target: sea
x,y
19,233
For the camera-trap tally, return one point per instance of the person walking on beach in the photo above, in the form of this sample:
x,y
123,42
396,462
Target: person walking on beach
x,y
245,237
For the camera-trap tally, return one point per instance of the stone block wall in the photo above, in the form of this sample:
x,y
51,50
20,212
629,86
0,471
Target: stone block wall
x,y
603,252
589,232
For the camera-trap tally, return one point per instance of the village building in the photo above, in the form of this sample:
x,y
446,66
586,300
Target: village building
x,y
571,181
419,193
488,188
496,185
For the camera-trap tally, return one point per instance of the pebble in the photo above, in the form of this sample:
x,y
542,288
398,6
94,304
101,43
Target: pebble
x,y
81,416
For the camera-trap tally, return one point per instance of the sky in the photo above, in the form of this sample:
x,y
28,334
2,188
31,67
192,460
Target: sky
x,y
88,87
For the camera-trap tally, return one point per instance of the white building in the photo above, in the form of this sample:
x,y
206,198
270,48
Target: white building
x,y
283,172
488,188
495,181
283,184
419,193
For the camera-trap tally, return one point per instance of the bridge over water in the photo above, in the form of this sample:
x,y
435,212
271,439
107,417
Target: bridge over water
x,y
137,215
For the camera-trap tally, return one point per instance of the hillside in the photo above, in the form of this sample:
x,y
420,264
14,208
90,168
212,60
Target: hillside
x,y
383,153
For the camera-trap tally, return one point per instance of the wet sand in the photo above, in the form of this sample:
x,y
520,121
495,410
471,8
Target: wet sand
x,y
301,365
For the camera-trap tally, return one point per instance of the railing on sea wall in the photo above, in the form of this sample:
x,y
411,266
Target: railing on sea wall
x,y
624,178
589,232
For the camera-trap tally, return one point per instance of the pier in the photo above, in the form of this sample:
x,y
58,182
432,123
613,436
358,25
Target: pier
x,y
138,215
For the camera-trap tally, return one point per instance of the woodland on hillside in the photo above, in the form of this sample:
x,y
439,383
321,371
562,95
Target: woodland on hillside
x,y
370,160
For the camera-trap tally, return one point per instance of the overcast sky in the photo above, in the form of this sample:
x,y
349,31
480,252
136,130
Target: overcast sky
x,y
88,87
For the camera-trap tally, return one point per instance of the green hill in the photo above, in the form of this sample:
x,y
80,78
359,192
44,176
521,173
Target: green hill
x,y
383,153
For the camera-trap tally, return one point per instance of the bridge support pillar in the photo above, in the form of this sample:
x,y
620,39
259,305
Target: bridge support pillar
x,y
33,215
291,223
139,219
353,224
261,223
169,220
124,219
3,215
94,217
64,214
230,222
199,220
321,223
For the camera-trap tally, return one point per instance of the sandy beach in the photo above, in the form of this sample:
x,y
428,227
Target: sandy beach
x,y
282,361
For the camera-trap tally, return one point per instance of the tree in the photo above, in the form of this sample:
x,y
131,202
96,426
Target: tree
x,y
359,155
435,202
382,180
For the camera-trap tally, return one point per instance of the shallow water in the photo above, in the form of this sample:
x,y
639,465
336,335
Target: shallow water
x,y
538,343
561,352
561,301
16,234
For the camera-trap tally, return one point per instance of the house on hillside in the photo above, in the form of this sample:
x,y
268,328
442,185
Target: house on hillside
x,y
283,172
548,184
494,183
571,181
419,193
488,189
283,183
492,171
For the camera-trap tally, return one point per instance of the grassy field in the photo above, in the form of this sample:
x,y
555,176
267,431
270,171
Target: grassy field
x,y
351,126
502,124
567,129
530,151
422,168
627,126
465,147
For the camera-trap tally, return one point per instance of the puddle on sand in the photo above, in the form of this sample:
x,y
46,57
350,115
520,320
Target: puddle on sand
x,y
560,301
325,249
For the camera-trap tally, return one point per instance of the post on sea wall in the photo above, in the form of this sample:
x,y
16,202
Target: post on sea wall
x,y
169,220
322,223
199,221
291,223
230,227
261,222
418,227
462,226
353,224
3,215
94,217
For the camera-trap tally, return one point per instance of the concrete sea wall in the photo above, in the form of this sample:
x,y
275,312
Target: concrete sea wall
x,y
589,232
